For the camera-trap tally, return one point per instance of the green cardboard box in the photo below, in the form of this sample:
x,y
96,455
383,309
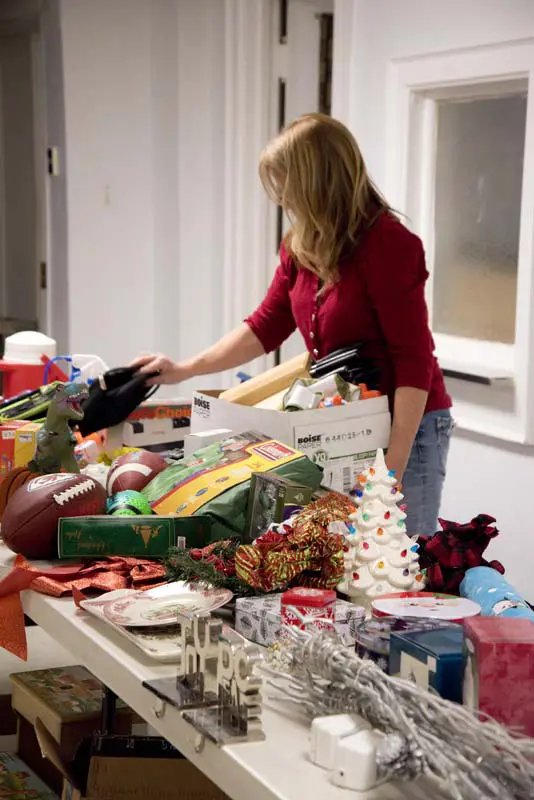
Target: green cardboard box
x,y
141,537
273,498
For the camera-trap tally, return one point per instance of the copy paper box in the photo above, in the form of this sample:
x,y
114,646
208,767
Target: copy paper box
x,y
140,537
18,440
343,440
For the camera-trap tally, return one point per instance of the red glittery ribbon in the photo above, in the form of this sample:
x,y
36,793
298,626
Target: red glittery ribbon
x,y
106,575
308,555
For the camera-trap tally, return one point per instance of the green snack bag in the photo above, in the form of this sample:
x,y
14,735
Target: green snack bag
x,y
216,480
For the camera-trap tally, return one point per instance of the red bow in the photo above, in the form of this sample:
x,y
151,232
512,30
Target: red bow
x,y
106,575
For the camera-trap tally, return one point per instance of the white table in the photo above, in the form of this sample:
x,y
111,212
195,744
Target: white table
x,y
276,769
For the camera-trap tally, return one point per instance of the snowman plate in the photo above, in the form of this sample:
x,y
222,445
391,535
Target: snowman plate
x,y
142,610
430,605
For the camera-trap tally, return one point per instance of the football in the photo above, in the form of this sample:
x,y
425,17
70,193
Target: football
x,y
29,523
133,471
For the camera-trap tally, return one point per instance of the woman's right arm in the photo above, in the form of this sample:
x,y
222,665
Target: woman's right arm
x,y
265,330
236,348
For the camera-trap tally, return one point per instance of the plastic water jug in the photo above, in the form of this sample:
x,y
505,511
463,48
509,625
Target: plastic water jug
x,y
21,366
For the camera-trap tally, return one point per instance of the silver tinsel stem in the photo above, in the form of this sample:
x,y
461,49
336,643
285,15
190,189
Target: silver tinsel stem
x,y
471,759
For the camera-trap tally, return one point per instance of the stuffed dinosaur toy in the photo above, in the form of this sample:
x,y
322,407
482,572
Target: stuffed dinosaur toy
x,y
55,440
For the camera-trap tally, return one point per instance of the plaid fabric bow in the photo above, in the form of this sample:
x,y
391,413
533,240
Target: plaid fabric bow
x,y
448,554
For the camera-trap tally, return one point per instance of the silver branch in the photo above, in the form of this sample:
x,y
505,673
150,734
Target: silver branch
x,y
424,734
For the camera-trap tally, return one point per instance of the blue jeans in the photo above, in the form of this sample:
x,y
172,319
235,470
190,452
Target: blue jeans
x,y
423,480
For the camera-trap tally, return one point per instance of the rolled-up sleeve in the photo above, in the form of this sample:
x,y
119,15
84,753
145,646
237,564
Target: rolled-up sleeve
x,y
272,322
395,276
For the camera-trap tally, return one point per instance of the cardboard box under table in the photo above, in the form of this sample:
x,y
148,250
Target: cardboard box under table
x,y
343,440
124,767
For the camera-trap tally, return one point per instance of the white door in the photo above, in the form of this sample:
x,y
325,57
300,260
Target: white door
x,y
20,205
305,47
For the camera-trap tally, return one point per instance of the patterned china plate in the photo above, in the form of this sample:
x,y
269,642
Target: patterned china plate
x,y
143,610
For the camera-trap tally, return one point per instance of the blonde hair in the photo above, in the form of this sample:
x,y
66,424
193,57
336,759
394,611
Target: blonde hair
x,y
314,169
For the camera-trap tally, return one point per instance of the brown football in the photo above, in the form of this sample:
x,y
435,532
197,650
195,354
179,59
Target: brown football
x,y
11,482
133,471
29,522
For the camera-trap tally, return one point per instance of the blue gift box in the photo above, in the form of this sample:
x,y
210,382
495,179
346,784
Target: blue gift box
x,y
432,659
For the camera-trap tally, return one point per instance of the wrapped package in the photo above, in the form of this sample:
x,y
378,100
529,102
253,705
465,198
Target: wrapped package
x,y
259,619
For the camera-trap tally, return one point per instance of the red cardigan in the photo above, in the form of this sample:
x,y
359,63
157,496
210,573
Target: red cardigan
x,y
379,299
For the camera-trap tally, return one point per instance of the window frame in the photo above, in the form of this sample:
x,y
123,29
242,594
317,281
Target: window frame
x,y
415,85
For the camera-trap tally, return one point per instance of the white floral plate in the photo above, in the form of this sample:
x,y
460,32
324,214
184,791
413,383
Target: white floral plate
x,y
162,644
141,610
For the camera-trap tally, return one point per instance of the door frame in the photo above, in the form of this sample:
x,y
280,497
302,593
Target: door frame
x,y
3,267
42,266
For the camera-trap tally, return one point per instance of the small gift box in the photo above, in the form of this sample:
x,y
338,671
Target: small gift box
x,y
431,659
259,619
303,607
499,673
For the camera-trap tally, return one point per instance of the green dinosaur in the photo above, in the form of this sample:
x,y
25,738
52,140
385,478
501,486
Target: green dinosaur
x,y
55,440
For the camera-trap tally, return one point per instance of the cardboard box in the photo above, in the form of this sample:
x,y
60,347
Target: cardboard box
x,y
18,440
343,440
431,659
142,537
196,441
147,778
133,771
258,619
158,424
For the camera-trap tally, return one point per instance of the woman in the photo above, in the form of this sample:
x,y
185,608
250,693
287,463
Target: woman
x,y
349,272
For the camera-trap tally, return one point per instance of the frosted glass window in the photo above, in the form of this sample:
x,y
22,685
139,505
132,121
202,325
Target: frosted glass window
x,y
480,148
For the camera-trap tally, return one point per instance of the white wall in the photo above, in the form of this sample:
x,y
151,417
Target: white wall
x,y
107,52
146,97
484,476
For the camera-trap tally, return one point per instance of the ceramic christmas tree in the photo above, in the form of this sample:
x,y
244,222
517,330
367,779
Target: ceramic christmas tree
x,y
380,557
